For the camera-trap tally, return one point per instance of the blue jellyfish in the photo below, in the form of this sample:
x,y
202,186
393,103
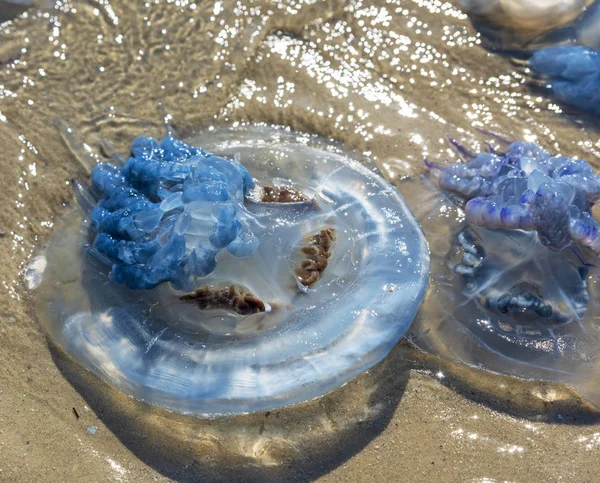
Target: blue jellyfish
x,y
515,249
560,37
573,74
264,275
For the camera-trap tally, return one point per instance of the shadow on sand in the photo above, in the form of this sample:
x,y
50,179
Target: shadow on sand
x,y
298,443
306,441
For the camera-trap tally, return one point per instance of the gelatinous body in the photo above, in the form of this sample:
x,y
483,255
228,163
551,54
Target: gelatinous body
x,y
514,265
9,9
200,308
573,74
526,24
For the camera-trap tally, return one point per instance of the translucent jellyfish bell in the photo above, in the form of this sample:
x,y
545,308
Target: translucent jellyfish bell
x,y
206,286
526,12
527,24
514,279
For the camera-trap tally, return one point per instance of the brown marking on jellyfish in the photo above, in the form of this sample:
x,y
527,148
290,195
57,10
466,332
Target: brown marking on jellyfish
x,y
318,251
233,297
282,194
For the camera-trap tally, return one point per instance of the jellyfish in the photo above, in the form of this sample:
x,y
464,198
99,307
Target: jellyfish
x,y
208,284
572,73
528,24
514,282
558,39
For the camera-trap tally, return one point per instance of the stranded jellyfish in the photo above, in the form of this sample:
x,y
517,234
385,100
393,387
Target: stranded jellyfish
x,y
514,250
573,75
264,275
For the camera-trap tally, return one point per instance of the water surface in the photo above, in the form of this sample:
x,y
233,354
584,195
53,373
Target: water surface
x,y
388,80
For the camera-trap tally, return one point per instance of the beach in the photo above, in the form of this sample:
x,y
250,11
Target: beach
x,y
388,81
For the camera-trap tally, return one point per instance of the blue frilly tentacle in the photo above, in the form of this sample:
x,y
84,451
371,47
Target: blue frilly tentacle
x,y
148,204
527,189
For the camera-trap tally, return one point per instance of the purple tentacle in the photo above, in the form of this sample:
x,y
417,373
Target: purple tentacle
x,y
503,140
460,148
434,165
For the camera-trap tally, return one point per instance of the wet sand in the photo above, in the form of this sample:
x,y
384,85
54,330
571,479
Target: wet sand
x,y
389,81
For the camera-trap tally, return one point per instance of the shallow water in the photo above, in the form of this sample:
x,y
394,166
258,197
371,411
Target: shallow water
x,y
388,80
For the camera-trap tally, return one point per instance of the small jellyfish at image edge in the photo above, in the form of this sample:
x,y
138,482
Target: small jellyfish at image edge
x,y
526,25
514,275
564,59
572,73
214,284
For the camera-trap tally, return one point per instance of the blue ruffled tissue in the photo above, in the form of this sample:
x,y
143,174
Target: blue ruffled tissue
x,y
515,260
166,214
574,74
527,189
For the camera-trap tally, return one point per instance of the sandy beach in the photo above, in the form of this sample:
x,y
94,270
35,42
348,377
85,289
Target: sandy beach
x,y
387,80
